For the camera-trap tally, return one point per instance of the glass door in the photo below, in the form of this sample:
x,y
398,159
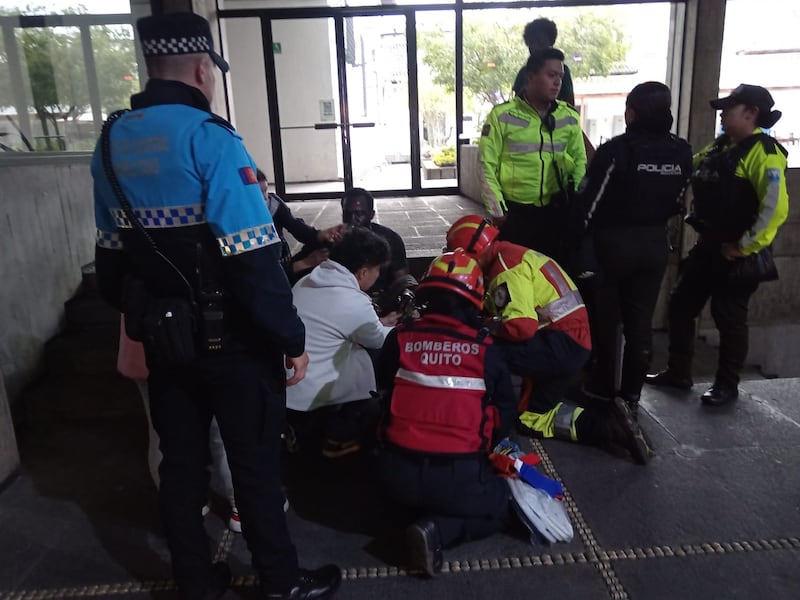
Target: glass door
x,y
376,61
342,103
310,119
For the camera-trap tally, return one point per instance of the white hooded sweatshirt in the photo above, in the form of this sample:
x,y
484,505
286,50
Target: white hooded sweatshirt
x,y
340,322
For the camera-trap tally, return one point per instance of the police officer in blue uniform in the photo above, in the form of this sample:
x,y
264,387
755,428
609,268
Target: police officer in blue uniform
x,y
192,186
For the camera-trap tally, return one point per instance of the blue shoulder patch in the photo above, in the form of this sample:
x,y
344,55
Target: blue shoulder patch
x,y
773,175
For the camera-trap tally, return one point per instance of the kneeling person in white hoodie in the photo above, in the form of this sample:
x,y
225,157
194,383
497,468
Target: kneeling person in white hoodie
x,y
332,405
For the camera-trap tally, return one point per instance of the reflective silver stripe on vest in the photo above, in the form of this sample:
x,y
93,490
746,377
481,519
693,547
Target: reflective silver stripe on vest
x,y
558,309
555,277
562,424
444,382
512,120
557,147
522,148
564,121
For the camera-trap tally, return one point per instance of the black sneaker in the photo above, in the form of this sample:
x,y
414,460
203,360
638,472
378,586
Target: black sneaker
x,y
317,584
627,431
425,550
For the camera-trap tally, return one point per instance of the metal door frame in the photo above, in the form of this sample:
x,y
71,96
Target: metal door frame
x,y
268,16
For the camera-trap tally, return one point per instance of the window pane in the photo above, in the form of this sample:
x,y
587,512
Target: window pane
x,y
607,49
766,60
254,4
43,7
436,53
117,68
9,137
56,89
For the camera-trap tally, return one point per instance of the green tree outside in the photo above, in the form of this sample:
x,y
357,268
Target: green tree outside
x,y
494,52
56,82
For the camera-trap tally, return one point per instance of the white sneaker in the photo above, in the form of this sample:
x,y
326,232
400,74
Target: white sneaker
x,y
235,523
205,510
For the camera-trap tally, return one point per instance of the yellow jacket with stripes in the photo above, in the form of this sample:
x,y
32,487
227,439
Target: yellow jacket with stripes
x,y
530,291
522,155
763,169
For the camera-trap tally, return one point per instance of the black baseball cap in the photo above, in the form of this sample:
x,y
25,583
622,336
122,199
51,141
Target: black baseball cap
x,y
178,33
751,95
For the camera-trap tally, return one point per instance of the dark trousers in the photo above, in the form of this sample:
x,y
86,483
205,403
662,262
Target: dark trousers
x,y
463,497
541,228
703,275
552,358
632,262
349,421
246,394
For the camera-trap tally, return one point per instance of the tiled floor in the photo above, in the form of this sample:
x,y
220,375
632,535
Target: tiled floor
x,y
422,222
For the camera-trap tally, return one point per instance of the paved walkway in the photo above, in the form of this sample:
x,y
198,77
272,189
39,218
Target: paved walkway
x,y
714,515
422,222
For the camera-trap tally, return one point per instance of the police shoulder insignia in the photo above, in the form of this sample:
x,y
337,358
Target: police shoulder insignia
x,y
248,175
773,175
486,129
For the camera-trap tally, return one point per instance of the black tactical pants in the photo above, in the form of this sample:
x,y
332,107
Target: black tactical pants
x,y
540,228
463,497
552,358
703,275
632,261
247,396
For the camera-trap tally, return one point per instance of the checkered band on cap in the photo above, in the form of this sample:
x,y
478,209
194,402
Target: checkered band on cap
x,y
170,46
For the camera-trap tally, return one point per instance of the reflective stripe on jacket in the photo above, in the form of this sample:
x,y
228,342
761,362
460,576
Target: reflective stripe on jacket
x,y
530,291
439,403
519,154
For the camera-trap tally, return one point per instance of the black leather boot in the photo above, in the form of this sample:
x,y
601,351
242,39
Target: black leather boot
x,y
719,395
669,378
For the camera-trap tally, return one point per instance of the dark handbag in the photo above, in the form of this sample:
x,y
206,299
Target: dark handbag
x,y
166,326
753,268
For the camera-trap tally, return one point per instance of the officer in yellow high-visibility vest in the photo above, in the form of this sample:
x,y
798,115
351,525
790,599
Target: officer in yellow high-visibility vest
x,y
532,158
740,201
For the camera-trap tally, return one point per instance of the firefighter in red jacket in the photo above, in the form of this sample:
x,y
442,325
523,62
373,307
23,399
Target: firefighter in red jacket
x,y
450,400
544,335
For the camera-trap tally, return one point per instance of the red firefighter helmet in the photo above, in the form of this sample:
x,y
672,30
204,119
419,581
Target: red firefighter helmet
x,y
455,272
473,233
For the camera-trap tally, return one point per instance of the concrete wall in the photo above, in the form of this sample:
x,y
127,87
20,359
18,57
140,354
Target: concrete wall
x,y
46,233
9,456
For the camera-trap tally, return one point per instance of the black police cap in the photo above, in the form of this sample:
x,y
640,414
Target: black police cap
x,y
178,33
751,95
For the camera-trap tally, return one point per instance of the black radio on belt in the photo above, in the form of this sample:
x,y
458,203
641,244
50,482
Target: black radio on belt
x,y
212,321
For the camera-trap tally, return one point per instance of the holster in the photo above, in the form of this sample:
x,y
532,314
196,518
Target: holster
x,y
166,326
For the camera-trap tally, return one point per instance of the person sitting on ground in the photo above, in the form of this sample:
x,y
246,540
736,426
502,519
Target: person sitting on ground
x,y
305,234
333,405
358,210
448,400
543,333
